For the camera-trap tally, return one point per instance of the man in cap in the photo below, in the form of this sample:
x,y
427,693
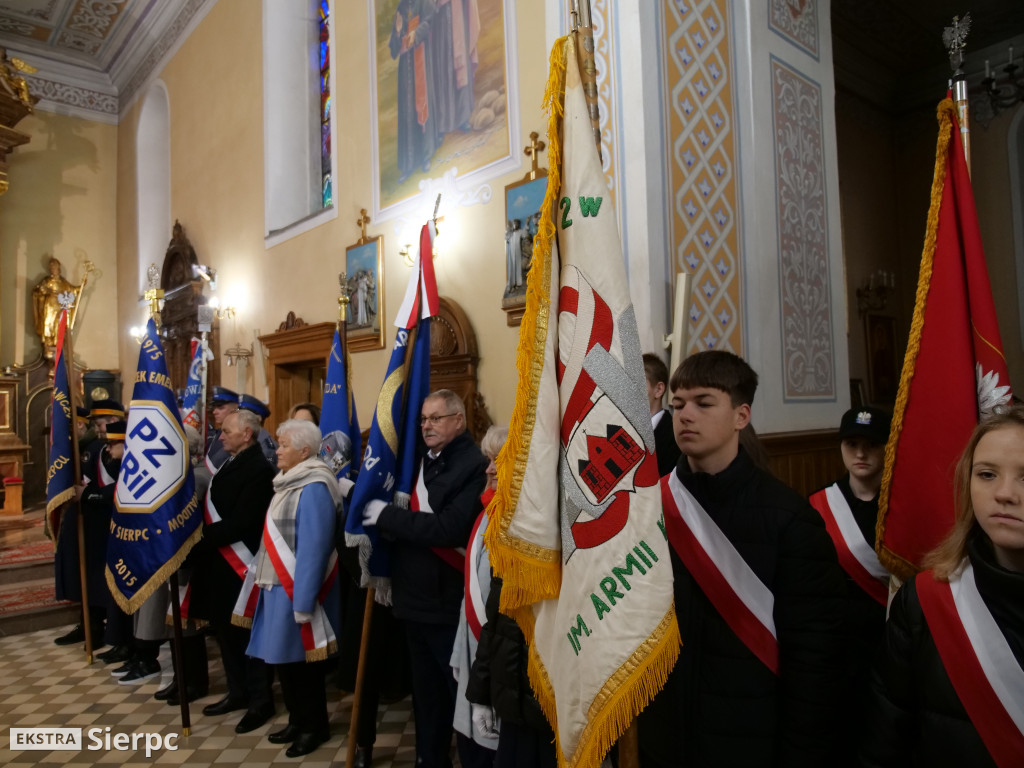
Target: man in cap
x,y
222,402
850,510
66,569
267,444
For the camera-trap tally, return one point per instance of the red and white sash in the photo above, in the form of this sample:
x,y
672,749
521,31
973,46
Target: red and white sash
x,y
241,561
476,615
723,575
420,502
855,555
318,637
985,674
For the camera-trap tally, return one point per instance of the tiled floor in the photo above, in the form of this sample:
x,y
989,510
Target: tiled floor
x,y
43,685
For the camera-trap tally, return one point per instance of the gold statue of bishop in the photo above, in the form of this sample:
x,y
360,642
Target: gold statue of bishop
x,y
49,297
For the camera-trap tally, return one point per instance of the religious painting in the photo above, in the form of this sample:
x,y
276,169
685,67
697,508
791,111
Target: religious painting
x,y
883,365
364,275
523,201
441,105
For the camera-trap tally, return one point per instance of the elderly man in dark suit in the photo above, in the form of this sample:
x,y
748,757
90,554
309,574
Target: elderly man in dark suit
x,y
426,580
235,510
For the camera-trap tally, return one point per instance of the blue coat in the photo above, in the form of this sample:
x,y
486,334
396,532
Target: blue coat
x,y
275,634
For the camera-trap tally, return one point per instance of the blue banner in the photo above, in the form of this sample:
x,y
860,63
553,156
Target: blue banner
x,y
192,404
60,476
417,389
338,420
157,517
377,473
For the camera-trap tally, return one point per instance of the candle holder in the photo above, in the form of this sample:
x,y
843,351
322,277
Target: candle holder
x,y
873,295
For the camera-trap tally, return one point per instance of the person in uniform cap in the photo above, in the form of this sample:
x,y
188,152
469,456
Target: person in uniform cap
x,y
849,508
267,444
66,569
222,402
83,429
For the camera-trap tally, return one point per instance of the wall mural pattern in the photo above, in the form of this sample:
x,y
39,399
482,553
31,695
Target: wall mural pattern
x,y
797,22
808,358
702,178
604,59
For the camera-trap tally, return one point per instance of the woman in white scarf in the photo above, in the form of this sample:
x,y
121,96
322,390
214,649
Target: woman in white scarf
x,y
297,617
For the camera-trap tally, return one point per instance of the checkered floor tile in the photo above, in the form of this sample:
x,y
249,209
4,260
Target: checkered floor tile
x,y
44,685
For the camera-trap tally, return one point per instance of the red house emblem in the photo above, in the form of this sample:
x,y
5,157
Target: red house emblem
x,y
609,460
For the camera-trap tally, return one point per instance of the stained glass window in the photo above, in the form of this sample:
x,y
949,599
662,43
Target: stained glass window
x,y
325,104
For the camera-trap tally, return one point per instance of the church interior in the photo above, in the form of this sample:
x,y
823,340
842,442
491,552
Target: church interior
x,y
769,163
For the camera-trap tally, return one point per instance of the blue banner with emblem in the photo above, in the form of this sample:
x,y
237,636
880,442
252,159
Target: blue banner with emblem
x,y
338,420
60,475
191,403
388,470
157,518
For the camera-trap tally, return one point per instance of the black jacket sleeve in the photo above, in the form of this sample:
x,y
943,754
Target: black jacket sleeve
x,y
809,620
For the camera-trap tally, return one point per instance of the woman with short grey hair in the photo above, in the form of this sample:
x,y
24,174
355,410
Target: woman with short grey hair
x,y
298,616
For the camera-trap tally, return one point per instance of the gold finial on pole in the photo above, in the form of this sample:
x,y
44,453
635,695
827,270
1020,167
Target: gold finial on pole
x,y
154,295
533,152
343,301
361,222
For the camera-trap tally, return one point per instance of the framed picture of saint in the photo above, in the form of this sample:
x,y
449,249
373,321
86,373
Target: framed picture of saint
x,y
523,201
364,273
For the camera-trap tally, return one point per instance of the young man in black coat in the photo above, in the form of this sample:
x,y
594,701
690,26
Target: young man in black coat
x,y
240,494
426,585
758,675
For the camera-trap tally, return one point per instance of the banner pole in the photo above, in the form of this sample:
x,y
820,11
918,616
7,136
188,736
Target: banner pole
x,y
178,649
69,356
582,28
955,40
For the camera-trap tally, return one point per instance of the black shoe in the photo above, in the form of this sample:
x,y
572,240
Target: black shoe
x,y
191,694
124,669
225,705
118,654
363,758
305,743
286,735
253,719
141,671
76,635
169,690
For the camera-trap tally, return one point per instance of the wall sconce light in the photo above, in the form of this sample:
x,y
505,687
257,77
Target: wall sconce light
x,y
227,312
238,352
137,332
873,295
406,250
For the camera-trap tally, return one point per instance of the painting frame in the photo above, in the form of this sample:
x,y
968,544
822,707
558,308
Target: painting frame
x,y
883,362
461,172
523,202
364,277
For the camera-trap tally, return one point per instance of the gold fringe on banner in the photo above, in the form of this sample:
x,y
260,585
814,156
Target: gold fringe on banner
x,y
530,573
894,563
157,580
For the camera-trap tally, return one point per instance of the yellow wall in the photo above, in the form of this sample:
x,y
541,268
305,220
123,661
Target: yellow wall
x,y
61,202
217,194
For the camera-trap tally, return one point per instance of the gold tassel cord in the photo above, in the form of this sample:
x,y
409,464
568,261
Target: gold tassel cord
x,y
893,562
530,574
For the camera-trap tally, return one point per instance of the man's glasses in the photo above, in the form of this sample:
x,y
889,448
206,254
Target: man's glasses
x,y
434,419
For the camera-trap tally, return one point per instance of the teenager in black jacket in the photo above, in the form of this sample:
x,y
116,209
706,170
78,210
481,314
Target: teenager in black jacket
x,y
935,685
724,704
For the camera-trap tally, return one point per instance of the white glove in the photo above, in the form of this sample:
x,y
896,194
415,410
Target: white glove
x,y
346,486
302,617
372,511
484,720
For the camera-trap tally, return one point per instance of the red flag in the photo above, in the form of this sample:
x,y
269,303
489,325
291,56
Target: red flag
x,y
954,370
